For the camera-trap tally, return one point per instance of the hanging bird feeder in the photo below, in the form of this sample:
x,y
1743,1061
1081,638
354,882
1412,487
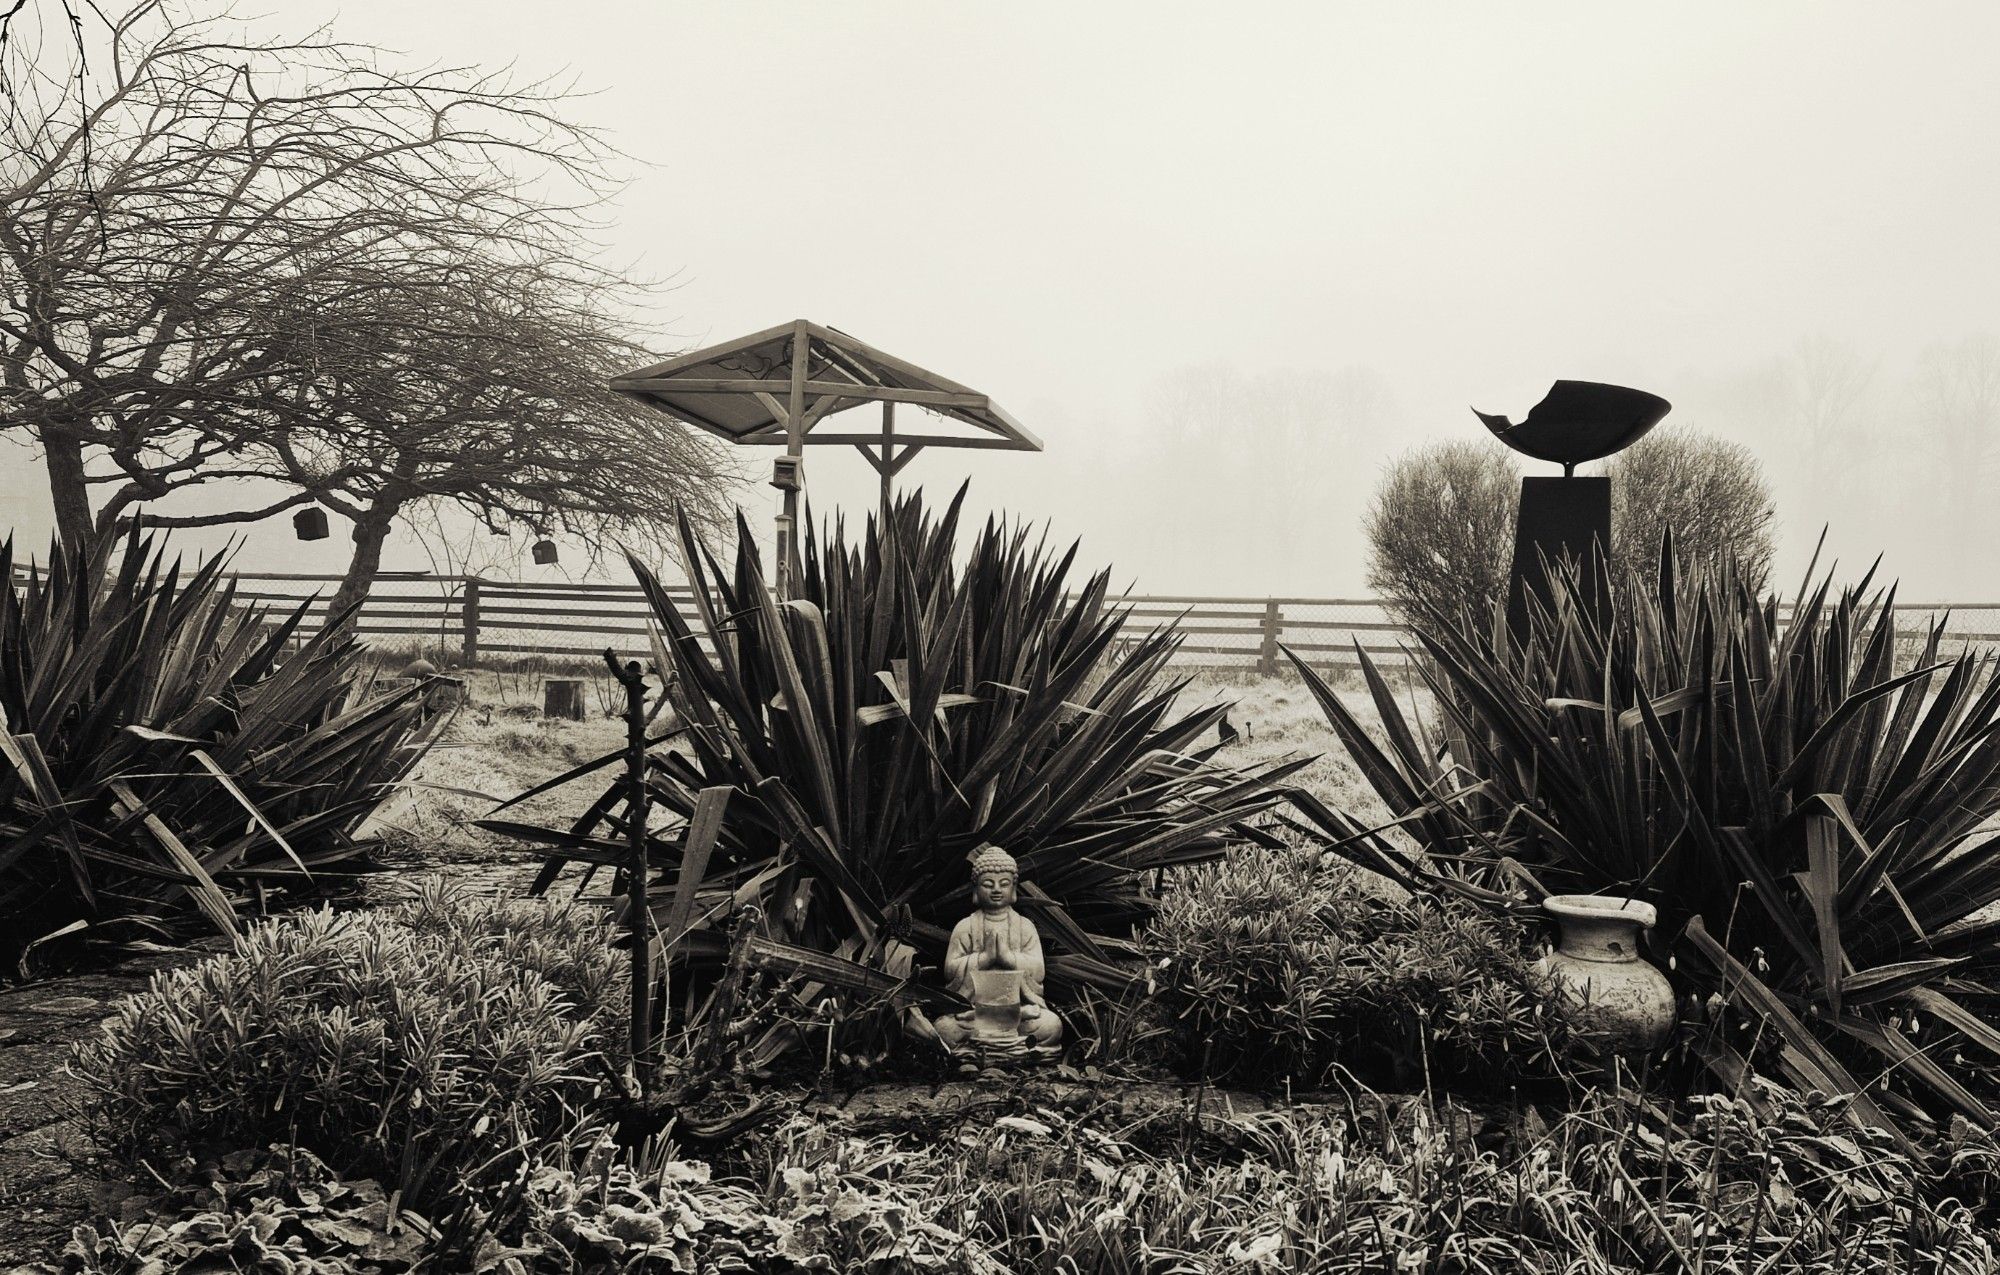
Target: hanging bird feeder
x,y
310,523
545,552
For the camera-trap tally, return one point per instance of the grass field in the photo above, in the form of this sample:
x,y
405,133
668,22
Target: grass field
x,y
499,744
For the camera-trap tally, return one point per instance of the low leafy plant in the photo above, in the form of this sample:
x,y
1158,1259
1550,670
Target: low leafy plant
x,y
434,1046
167,749
273,1209
671,1214
905,704
1284,967
1764,1180
1813,824
1769,1182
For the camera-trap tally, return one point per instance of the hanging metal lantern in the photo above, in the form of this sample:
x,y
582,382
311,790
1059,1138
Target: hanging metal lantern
x,y
310,523
545,552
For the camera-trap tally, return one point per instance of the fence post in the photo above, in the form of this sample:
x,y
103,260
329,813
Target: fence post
x,y
468,614
1267,651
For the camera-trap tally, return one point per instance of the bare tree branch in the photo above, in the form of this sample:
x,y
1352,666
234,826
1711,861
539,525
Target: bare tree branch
x,y
231,258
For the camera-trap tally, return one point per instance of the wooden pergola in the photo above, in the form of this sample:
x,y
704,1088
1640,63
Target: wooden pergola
x,y
775,388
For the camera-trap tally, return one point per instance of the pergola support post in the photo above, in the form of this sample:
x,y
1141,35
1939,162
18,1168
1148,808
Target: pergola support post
x,y
795,442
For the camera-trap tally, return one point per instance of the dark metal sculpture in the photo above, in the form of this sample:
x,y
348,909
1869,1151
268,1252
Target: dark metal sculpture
x,y
1569,517
1578,421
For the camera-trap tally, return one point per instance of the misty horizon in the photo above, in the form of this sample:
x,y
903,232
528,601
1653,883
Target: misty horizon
x,y
1227,269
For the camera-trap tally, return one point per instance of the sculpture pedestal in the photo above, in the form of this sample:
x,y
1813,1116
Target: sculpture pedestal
x,y
1560,518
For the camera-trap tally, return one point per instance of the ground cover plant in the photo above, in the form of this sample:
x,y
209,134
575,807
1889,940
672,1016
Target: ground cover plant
x,y
910,702
1764,1180
1281,968
168,750
1811,821
434,1046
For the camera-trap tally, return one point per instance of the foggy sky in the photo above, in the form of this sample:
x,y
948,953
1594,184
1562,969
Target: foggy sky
x,y
1227,261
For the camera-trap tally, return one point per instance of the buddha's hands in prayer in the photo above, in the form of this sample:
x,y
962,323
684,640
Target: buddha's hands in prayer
x,y
997,950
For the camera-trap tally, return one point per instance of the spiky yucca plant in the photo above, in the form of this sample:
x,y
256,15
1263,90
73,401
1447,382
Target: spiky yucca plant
x,y
902,708
1814,825
168,749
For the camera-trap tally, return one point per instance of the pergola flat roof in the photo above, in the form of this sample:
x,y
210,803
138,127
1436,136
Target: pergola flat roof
x,y
740,390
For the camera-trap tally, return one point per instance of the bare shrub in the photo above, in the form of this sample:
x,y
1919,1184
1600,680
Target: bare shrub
x,y
1441,525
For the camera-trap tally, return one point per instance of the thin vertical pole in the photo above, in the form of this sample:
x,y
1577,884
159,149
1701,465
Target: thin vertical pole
x,y
637,807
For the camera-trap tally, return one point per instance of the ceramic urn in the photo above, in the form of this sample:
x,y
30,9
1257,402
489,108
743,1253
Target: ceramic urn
x,y
1614,997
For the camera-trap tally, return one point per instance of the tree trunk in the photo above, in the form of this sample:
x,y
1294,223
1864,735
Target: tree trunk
x,y
67,491
369,534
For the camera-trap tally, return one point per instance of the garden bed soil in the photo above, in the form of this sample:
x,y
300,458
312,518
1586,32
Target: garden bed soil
x,y
51,1175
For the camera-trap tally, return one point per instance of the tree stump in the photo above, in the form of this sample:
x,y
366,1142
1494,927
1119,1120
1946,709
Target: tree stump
x,y
563,697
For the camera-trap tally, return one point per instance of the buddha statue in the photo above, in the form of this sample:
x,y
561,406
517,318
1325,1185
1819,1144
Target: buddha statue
x,y
994,960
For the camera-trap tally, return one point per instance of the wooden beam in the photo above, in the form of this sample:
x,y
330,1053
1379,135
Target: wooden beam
x,y
779,415
965,400
854,367
887,468
873,460
903,458
825,405
795,437
795,406
922,440
703,384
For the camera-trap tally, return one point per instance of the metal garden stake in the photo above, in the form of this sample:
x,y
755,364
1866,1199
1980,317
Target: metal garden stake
x,y
633,680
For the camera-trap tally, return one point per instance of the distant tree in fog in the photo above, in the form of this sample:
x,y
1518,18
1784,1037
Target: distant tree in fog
x,y
1825,385
1269,457
1441,524
1957,408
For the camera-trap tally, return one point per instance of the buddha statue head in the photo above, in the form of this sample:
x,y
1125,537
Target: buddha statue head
x,y
994,876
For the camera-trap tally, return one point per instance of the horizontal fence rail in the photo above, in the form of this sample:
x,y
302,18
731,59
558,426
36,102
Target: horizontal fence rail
x,y
475,618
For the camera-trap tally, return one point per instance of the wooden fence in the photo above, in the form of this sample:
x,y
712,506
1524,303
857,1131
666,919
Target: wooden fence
x,y
474,619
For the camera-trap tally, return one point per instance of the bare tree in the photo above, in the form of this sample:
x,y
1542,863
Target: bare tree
x,y
245,259
491,397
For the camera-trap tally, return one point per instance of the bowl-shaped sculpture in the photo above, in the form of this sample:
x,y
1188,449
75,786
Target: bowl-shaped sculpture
x,y
1579,421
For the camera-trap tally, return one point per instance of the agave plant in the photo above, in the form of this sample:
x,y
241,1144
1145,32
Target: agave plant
x,y
1814,825
896,713
169,750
